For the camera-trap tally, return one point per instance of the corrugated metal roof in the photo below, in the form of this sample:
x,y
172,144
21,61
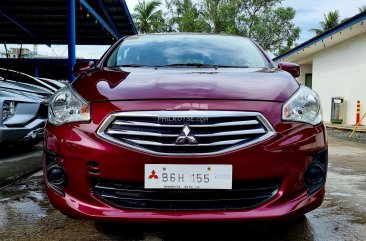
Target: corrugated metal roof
x,y
45,21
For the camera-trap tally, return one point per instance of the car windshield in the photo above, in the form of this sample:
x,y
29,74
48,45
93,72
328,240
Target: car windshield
x,y
186,50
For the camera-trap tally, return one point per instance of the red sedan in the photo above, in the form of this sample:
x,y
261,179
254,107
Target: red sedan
x,y
185,127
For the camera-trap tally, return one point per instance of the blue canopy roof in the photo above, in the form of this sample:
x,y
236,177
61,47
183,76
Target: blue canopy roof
x,y
98,22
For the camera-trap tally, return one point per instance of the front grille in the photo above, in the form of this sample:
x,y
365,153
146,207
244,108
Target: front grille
x,y
186,132
129,195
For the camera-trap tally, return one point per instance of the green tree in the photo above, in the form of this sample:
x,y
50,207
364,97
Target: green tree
x,y
362,9
274,30
185,16
148,17
265,21
331,20
251,13
221,15
261,20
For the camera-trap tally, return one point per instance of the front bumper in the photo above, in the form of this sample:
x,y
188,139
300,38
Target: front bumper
x,y
285,155
32,131
274,210
28,122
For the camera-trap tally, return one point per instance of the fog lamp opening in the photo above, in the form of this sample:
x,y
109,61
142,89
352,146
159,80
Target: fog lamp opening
x,y
314,175
56,175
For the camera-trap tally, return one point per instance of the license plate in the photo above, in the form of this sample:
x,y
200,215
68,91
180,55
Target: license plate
x,y
188,176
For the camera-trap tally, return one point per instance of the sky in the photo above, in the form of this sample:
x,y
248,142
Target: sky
x,y
308,15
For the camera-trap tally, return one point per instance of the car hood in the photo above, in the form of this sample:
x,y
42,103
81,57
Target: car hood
x,y
182,83
24,89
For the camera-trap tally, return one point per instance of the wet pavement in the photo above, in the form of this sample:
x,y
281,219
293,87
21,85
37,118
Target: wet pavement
x,y
25,213
16,162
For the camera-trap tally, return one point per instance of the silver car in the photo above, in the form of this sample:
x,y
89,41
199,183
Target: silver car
x,y
23,104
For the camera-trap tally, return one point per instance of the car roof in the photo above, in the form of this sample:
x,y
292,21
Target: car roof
x,y
187,34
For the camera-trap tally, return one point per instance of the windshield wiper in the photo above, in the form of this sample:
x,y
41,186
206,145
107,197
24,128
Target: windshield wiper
x,y
133,65
199,65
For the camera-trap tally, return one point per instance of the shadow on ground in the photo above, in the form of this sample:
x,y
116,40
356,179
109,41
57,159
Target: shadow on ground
x,y
298,229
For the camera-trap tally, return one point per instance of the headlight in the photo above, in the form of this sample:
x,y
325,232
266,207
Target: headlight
x,y
9,108
303,106
67,106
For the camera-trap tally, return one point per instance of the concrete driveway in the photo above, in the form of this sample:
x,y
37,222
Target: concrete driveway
x,y
25,213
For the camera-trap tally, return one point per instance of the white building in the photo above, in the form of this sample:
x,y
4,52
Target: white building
x,y
334,64
13,53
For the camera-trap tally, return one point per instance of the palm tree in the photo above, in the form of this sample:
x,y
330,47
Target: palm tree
x,y
187,16
148,17
331,20
362,9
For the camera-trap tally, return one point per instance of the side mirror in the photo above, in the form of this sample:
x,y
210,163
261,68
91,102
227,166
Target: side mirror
x,y
82,67
293,69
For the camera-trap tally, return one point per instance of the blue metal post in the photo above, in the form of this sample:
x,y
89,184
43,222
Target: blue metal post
x,y
129,17
36,71
71,38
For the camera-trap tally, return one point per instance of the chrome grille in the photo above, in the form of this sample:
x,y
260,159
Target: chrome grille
x,y
210,132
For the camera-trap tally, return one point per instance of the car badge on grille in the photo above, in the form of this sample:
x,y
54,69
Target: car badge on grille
x,y
186,137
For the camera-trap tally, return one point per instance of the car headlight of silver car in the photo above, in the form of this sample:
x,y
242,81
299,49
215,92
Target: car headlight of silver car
x,y
9,108
67,106
303,106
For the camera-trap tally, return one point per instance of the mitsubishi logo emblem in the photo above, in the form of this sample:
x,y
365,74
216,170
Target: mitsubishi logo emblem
x,y
153,175
185,137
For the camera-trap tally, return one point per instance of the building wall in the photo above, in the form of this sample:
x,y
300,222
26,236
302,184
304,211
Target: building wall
x,y
341,71
304,69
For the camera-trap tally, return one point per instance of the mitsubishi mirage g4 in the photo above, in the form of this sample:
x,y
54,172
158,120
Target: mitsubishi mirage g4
x,y
185,127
